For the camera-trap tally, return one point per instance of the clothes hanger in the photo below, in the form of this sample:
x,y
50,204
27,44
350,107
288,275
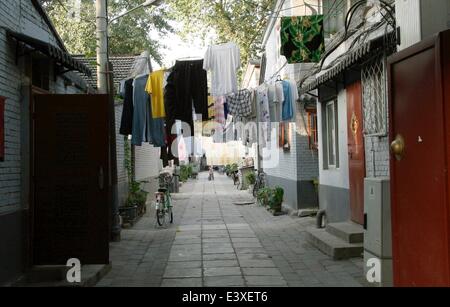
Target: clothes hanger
x,y
190,58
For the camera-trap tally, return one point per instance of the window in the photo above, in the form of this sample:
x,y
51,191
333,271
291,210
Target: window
x,y
331,155
374,95
335,12
312,130
41,73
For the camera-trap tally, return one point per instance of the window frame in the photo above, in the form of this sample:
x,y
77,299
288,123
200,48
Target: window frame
x,y
313,132
326,135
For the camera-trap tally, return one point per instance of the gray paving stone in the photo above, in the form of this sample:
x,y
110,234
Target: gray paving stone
x,y
222,271
225,256
256,263
213,243
224,281
184,264
220,263
182,282
261,272
270,281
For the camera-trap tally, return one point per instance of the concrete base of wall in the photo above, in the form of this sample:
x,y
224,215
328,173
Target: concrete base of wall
x,y
297,194
151,187
336,202
13,238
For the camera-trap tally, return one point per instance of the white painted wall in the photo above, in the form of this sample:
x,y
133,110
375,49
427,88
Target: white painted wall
x,y
336,177
419,19
148,163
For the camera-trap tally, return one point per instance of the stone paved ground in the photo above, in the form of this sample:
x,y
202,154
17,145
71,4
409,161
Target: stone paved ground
x,y
214,242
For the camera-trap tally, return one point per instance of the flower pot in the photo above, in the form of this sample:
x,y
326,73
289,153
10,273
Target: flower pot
x,y
129,214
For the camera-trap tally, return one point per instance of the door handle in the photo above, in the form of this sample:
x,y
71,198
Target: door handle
x,y
398,147
101,178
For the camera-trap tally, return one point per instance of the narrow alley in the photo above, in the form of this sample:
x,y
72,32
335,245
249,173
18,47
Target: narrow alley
x,y
215,242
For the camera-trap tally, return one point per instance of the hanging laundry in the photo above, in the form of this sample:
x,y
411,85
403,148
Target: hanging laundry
x,y
145,128
187,86
155,87
288,112
211,108
276,99
264,115
302,38
126,123
141,114
253,105
294,96
240,104
219,110
223,61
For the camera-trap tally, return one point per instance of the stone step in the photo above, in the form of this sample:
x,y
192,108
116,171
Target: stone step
x,y
333,246
348,231
56,276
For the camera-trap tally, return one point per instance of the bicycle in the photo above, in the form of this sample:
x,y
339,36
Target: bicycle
x,y
260,183
164,207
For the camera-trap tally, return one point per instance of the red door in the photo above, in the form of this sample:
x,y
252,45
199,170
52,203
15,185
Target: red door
x,y
356,154
70,179
419,165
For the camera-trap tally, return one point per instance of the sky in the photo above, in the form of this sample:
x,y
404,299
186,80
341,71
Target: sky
x,y
177,48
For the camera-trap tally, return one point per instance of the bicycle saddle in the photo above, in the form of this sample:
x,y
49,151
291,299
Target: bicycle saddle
x,y
162,190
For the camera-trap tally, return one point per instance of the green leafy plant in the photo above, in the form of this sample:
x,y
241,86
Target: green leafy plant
x,y
263,196
185,172
251,178
234,167
276,199
136,195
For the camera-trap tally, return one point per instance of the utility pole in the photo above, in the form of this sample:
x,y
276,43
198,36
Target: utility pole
x,y
102,46
105,85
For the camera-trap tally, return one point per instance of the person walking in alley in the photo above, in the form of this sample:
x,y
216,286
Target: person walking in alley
x,y
211,173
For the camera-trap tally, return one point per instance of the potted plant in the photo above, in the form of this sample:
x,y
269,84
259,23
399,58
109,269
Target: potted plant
x,y
251,180
276,200
135,205
263,196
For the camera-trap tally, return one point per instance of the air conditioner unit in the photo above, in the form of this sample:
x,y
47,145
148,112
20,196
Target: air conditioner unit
x,y
377,227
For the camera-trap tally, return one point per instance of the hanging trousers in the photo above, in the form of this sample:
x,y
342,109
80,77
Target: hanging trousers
x,y
186,91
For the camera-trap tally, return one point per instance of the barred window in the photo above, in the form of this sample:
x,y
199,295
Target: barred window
x,y
375,98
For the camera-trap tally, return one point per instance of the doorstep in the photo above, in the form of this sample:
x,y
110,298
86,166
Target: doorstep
x,y
52,276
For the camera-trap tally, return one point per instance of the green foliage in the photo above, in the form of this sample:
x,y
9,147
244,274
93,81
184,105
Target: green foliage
x,y
276,199
272,198
136,195
251,178
227,169
234,167
128,35
185,172
240,21
263,196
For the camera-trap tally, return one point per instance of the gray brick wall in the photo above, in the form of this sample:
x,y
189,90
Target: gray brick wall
x,y
120,142
307,159
377,157
18,16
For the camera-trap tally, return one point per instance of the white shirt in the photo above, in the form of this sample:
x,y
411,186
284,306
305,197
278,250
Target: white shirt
x,y
223,61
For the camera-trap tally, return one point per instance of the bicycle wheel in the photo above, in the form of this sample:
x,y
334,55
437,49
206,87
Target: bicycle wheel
x,y
255,189
160,217
170,215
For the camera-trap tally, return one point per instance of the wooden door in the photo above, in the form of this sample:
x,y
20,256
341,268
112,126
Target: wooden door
x,y
419,172
70,179
356,154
